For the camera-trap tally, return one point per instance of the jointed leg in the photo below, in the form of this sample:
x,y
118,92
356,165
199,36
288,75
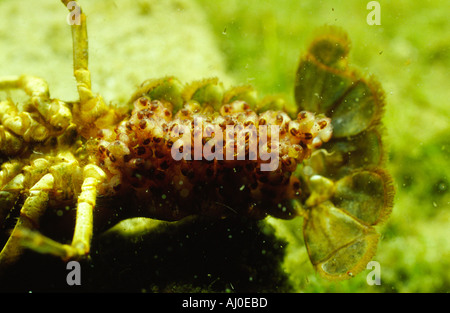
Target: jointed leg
x,y
54,112
93,176
11,182
91,109
10,144
8,170
52,116
80,55
21,123
80,245
15,178
35,87
32,209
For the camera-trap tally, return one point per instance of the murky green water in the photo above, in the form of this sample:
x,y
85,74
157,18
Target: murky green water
x,y
259,43
409,53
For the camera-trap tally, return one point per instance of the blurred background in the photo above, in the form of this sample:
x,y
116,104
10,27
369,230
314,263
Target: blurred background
x,y
409,53
260,42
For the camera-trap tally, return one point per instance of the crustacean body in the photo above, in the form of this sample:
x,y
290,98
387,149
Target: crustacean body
x,y
202,150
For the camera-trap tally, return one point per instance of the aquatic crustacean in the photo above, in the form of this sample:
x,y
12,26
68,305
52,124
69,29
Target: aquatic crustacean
x,y
173,156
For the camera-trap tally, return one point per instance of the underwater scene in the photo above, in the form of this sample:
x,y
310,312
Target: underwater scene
x,y
118,174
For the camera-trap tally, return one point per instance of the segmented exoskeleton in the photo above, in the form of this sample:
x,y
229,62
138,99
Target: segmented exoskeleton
x,y
190,150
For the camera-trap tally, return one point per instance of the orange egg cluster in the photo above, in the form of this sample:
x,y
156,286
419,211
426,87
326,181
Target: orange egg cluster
x,y
200,161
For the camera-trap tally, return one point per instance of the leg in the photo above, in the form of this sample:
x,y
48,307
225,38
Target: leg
x,y
15,177
80,246
92,109
93,176
10,144
32,209
22,124
81,56
11,183
54,112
